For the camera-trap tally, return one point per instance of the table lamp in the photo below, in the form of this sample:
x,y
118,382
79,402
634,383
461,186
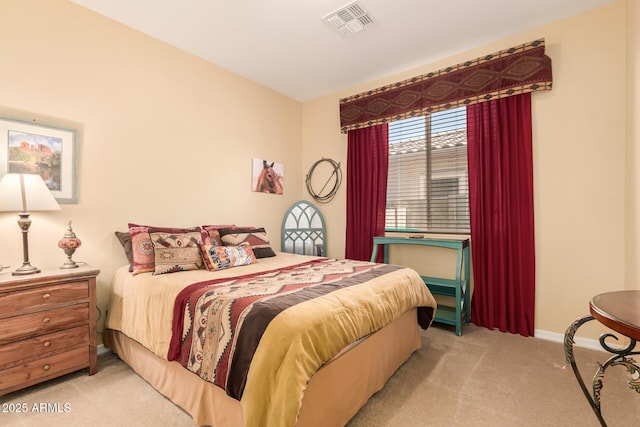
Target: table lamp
x,y
25,193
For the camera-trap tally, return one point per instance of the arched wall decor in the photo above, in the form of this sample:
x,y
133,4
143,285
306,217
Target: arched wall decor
x,y
303,230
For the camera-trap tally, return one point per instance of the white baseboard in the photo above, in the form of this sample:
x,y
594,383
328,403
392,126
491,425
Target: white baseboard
x,y
579,342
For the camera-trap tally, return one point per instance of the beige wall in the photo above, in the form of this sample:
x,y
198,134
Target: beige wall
x,y
580,138
165,138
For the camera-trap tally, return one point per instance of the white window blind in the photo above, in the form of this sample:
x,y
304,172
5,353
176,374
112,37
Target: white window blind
x,y
428,185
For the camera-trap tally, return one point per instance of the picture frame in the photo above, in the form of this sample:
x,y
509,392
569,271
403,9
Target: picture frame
x,y
44,149
267,176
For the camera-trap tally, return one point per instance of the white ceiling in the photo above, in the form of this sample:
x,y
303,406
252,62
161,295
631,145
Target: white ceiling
x,y
285,45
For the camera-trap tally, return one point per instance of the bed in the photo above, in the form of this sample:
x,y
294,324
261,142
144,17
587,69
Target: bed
x,y
286,340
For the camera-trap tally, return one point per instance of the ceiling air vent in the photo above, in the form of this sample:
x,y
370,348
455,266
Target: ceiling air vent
x,y
349,19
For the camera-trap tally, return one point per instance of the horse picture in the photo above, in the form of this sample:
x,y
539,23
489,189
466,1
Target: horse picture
x,y
268,177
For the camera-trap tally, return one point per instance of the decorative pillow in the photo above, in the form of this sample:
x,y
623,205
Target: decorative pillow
x,y
211,234
256,237
142,247
220,257
125,240
176,251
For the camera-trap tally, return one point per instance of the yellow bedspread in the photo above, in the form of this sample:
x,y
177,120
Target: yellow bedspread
x,y
297,342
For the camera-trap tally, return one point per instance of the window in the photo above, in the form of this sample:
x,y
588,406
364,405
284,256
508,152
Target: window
x,y
427,186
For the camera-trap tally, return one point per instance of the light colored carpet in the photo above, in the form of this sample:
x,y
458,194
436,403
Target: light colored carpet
x,y
483,378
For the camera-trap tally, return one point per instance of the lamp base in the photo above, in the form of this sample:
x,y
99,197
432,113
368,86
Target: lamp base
x,y
24,223
25,269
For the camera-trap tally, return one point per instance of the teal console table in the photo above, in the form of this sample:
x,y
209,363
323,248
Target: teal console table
x,y
457,288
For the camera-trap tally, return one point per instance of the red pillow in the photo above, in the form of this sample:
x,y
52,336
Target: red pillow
x,y
211,234
142,247
256,237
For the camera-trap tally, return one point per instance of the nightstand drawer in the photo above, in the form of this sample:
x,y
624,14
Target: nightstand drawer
x,y
43,369
21,352
15,303
29,325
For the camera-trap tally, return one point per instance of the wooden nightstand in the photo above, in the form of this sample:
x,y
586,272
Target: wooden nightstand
x,y
47,326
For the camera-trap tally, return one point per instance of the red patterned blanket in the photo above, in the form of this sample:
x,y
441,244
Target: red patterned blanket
x,y
218,324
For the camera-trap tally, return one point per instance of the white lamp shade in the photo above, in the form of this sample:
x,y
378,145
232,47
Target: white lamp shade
x,y
25,193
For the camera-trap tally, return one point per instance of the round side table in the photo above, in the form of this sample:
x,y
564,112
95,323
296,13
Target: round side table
x,y
619,311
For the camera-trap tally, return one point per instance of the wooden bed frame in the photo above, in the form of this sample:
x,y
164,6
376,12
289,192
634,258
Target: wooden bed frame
x,y
333,396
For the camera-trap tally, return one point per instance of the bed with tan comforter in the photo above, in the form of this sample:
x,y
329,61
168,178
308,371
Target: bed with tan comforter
x,y
255,336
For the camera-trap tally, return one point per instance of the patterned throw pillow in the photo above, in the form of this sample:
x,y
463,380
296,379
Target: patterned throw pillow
x,y
175,252
256,237
211,234
142,247
220,257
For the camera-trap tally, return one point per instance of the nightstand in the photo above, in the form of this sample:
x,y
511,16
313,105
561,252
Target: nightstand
x,y
47,326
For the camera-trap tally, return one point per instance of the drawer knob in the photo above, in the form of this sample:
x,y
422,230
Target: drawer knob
x,y
46,296
46,320
47,343
46,367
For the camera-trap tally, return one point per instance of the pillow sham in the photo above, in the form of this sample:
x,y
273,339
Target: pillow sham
x,y
125,240
221,257
256,237
176,251
142,247
211,234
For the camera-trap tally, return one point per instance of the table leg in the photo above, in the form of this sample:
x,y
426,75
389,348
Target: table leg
x,y
374,254
620,357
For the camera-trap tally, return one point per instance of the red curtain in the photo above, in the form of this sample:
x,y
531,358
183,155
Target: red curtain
x,y
501,209
367,168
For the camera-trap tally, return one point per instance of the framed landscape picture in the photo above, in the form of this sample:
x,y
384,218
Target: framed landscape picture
x,y
46,150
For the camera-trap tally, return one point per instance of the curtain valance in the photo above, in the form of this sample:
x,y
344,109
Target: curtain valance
x,y
520,69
